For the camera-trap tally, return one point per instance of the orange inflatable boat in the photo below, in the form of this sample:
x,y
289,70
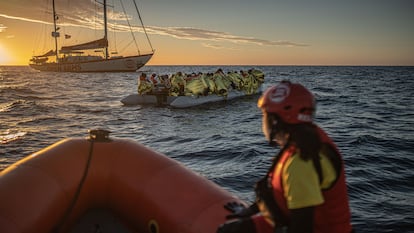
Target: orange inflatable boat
x,y
107,185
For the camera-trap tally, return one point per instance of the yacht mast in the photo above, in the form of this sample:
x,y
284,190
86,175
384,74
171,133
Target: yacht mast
x,y
106,29
55,33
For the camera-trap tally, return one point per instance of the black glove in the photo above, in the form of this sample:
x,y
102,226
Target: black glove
x,y
238,210
245,225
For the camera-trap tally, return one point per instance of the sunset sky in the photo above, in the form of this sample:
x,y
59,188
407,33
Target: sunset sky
x,y
230,32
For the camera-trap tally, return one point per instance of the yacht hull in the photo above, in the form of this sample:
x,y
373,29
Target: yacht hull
x,y
120,64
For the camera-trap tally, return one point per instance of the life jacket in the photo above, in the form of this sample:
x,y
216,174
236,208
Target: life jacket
x,y
331,216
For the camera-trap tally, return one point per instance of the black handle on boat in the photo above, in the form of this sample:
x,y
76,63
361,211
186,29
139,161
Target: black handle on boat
x,y
99,135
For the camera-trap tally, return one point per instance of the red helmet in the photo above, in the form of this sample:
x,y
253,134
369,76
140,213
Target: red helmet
x,y
292,102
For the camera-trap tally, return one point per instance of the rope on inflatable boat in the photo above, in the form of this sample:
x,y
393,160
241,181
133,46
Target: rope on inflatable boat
x,y
77,193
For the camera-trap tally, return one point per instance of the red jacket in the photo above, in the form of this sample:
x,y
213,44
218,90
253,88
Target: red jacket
x,y
333,216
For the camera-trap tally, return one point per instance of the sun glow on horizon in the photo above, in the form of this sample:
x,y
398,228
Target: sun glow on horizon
x,y
5,56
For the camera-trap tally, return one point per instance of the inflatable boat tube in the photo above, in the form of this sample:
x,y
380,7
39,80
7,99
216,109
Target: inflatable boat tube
x,y
51,190
134,99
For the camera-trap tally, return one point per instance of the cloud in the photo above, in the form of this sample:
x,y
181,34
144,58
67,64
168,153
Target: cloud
x,y
2,28
217,46
22,19
86,17
212,46
209,35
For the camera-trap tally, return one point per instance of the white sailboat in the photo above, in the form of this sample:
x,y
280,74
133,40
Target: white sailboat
x,y
73,59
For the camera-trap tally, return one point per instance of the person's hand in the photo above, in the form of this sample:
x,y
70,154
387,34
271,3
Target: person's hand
x,y
234,207
239,210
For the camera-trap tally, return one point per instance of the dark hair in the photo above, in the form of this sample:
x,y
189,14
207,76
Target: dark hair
x,y
304,136
306,139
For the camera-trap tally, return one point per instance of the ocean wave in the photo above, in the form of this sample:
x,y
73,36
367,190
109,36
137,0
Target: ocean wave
x,y
46,121
366,110
10,136
21,89
7,107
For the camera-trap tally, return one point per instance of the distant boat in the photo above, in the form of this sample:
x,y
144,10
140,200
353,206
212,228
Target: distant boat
x,y
73,59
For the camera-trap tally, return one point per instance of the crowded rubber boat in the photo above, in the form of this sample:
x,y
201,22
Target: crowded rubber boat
x,y
182,90
103,184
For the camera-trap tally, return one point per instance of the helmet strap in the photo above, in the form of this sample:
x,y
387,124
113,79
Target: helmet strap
x,y
272,122
272,136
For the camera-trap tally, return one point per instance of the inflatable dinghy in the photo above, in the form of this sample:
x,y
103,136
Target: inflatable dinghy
x,y
184,90
107,185
179,101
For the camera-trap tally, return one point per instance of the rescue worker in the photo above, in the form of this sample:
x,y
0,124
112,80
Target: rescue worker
x,y
304,190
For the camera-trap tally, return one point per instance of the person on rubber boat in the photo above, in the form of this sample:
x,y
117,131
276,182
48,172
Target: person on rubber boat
x,y
304,190
244,74
158,83
219,71
142,77
154,79
190,77
144,85
165,81
177,84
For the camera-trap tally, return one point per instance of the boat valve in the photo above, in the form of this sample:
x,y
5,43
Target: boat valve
x,y
99,135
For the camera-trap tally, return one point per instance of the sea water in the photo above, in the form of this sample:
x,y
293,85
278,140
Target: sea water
x,y
368,111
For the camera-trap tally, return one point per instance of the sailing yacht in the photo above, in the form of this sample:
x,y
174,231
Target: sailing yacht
x,y
73,59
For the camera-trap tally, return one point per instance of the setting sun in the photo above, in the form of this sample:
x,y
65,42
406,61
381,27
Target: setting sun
x,y
5,57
